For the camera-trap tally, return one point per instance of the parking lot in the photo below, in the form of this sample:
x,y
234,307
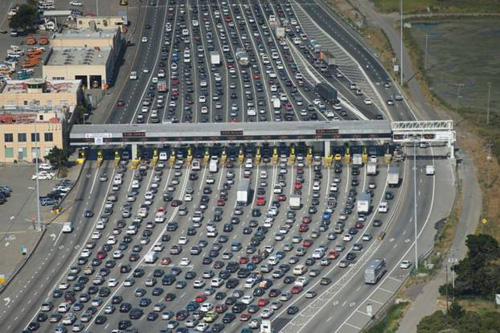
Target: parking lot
x,y
177,246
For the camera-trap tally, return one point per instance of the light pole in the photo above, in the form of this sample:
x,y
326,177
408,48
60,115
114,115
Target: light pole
x,y
415,199
459,86
426,48
488,105
401,41
38,223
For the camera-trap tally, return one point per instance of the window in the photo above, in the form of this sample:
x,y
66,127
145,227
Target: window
x,y
21,137
8,137
25,103
35,137
48,137
9,152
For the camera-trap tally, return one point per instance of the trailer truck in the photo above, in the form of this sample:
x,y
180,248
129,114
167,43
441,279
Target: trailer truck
x,y
327,92
393,176
364,203
243,192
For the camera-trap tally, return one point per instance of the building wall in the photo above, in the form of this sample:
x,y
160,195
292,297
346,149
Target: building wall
x,y
78,41
26,151
9,100
74,72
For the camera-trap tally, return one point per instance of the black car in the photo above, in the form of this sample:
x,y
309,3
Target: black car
x,y
99,320
292,309
228,316
377,223
135,314
125,307
42,317
116,300
124,324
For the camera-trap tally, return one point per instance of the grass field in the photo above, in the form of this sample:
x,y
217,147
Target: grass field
x,y
462,59
439,6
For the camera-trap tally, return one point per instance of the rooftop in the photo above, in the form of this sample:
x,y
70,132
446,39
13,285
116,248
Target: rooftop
x,y
48,87
24,118
86,34
63,56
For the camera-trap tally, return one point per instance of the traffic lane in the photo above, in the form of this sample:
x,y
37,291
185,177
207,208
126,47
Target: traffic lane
x,y
131,91
146,249
397,242
50,268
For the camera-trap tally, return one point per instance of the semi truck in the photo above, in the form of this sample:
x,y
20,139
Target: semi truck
x,y
364,203
215,58
243,192
327,57
393,176
327,92
295,201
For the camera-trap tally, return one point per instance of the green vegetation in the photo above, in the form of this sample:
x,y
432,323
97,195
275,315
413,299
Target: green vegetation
x,y
478,274
459,320
439,6
390,322
26,17
461,62
58,157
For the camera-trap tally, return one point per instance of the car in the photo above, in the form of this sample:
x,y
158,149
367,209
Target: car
x,y
144,39
405,264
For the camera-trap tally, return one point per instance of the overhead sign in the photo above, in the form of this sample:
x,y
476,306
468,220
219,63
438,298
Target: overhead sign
x,y
98,135
231,133
134,134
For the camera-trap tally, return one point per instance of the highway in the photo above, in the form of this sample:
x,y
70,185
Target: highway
x,y
176,39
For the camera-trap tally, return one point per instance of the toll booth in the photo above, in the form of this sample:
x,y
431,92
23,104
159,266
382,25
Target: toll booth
x,y
292,156
206,157
100,158
258,155
309,156
82,155
189,157
171,159
364,155
275,155
241,155
117,159
136,157
154,160
388,158
347,154
223,156
328,160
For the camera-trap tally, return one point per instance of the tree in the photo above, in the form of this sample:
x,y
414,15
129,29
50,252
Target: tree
x,y
456,311
58,157
26,17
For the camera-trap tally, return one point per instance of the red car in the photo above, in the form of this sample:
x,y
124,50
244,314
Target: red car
x,y
200,298
134,257
307,243
120,102
176,203
281,197
245,317
102,254
221,203
230,165
262,302
256,76
306,219
296,290
243,260
256,259
261,201
166,261
174,82
359,225
304,228
300,171
298,186
333,254
175,91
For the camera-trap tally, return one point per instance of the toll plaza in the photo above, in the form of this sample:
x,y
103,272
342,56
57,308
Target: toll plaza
x,y
264,142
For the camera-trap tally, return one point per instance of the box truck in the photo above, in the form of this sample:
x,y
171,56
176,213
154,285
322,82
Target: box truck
x,y
393,176
371,169
430,170
364,203
243,192
150,257
215,58
295,201
357,159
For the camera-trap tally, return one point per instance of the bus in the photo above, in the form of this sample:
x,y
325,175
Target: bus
x,y
374,271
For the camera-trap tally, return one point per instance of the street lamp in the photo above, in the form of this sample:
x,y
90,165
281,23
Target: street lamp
x,y
401,41
415,140
39,222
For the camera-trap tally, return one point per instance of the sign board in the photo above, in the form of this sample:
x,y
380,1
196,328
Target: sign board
x,y
2,278
231,133
133,134
442,136
98,135
497,299
98,140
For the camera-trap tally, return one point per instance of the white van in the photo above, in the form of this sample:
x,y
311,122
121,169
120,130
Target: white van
x,y
383,207
430,170
150,257
163,156
299,269
67,227
133,75
118,180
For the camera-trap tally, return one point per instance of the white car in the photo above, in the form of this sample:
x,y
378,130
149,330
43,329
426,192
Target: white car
x,y
201,327
113,282
76,3
86,253
405,264
267,313
118,254
45,166
367,101
185,262
96,235
207,306
183,240
247,299
111,240
144,39
347,238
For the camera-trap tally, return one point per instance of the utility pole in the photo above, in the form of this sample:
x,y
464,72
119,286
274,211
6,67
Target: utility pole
x,y
401,42
459,86
415,200
488,105
426,47
38,223
489,158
